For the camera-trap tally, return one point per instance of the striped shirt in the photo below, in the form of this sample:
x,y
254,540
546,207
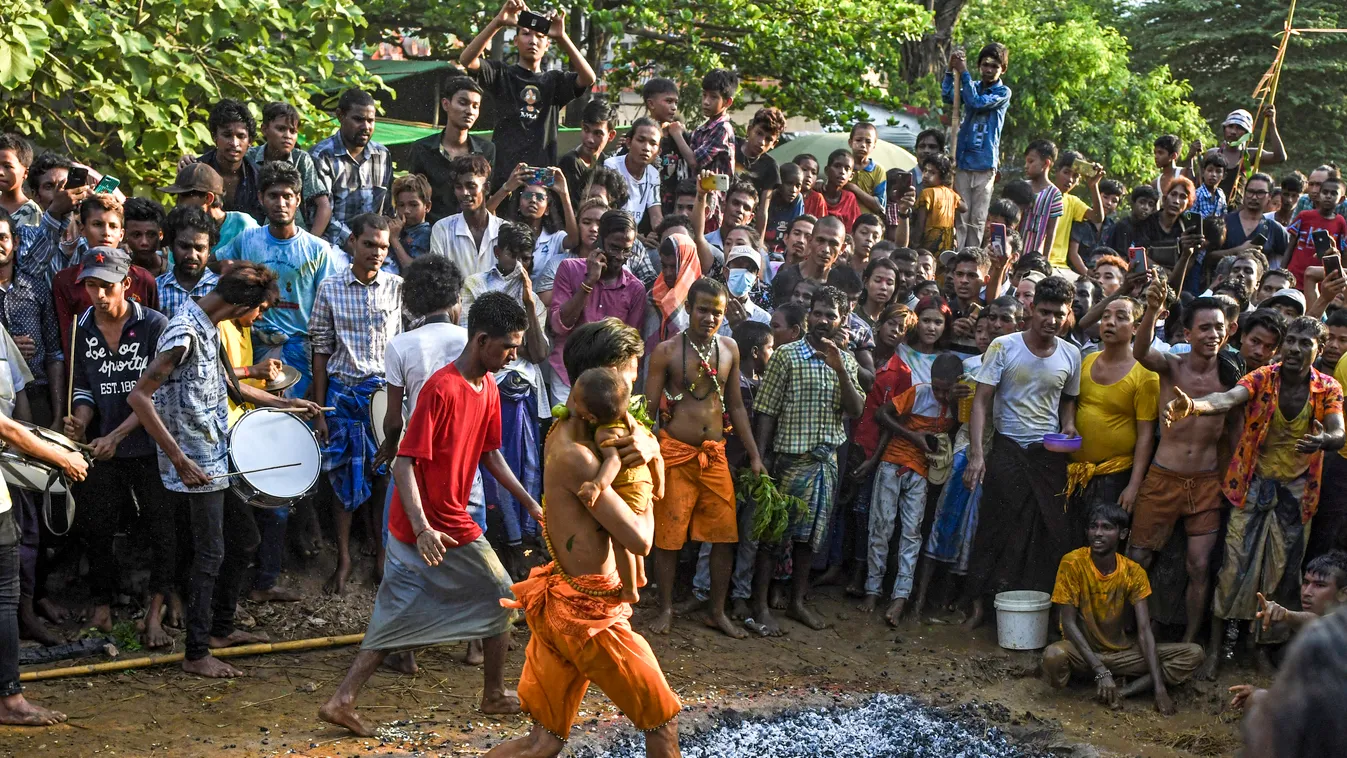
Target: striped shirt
x,y
1047,205
357,185
172,295
805,396
352,322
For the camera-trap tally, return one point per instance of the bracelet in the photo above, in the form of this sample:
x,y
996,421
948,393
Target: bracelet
x,y
586,287
904,215
418,534
1099,677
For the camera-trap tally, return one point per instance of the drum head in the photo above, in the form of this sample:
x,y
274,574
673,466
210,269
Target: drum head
x,y
378,409
267,437
289,376
30,474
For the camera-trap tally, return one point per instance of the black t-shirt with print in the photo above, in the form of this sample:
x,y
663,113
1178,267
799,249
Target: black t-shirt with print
x,y
762,171
530,108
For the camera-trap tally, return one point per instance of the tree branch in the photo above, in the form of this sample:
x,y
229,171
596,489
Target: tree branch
x,y
675,39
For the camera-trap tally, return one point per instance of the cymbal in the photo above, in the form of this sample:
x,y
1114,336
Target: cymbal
x,y
289,376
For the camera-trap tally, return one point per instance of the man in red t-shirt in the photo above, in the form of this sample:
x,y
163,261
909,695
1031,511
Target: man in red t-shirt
x,y
1324,216
442,581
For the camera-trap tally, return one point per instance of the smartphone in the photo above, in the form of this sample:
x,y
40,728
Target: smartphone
x,y
1323,244
973,310
1084,168
902,183
1191,221
535,21
541,176
1137,254
716,183
1332,262
107,185
1258,240
77,177
999,248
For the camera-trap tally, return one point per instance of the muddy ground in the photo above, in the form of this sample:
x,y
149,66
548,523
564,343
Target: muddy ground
x,y
161,711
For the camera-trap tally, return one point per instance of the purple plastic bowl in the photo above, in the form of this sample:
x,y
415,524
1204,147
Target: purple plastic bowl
x,y
1061,443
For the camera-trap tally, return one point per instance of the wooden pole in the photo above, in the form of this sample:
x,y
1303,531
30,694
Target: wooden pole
x,y
954,117
1270,97
70,359
261,648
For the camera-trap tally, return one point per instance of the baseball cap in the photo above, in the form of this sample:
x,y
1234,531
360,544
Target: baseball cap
x,y
1287,296
744,251
106,264
195,177
1241,118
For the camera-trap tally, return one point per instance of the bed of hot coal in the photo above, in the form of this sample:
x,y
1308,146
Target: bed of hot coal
x,y
882,726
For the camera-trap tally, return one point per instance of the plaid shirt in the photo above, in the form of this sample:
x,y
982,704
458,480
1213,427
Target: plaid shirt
x,y
26,308
1208,202
172,295
37,249
353,322
712,145
357,185
805,396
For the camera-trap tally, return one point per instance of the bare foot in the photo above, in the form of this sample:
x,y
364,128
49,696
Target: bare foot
x,y
155,636
777,597
505,703
856,589
344,715
1207,672
769,625
336,584
739,609
211,667
895,612
722,622
663,622
15,711
51,611
32,628
403,663
975,618
175,611
236,637
275,595
833,575
691,605
474,656
629,595
101,618
868,604
805,616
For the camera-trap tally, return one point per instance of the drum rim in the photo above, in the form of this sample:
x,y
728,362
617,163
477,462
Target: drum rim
x,y
10,456
233,465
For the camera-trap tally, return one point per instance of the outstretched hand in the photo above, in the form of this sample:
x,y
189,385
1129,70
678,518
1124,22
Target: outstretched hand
x,y
1181,407
1314,440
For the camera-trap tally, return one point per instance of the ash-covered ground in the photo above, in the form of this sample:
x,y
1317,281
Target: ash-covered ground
x,y
882,726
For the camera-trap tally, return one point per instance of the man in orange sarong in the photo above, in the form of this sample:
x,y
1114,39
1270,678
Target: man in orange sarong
x,y
581,632
695,378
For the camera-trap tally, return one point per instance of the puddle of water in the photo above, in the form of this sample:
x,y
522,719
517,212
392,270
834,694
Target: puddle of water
x,y
882,726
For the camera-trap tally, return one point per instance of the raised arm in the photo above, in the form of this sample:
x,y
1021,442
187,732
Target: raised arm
x,y
704,252
1141,344
584,72
508,15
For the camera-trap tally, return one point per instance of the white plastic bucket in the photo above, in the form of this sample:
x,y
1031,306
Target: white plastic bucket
x,y
1022,619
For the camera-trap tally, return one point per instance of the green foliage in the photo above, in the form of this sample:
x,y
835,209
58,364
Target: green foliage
x,y
1072,84
129,84
814,58
1223,49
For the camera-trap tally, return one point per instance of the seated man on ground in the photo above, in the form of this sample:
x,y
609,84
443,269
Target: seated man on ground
x,y
1094,587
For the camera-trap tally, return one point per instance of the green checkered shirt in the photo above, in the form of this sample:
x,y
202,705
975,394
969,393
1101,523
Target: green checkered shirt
x,y
805,396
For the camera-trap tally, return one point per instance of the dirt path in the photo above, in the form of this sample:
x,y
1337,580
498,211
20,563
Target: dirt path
x,y
273,711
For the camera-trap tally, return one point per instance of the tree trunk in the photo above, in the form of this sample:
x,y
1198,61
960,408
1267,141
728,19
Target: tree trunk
x,y
930,54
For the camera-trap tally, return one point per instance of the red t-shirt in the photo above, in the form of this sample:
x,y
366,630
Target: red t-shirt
x,y
891,380
1301,230
848,209
814,204
452,425
71,298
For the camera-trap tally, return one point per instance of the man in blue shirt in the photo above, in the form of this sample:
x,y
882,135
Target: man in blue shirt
x,y
301,262
984,113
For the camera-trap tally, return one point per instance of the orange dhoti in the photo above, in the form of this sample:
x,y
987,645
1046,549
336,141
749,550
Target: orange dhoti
x,y
578,639
698,493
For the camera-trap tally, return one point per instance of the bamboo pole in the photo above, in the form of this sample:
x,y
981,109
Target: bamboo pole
x,y
1270,96
261,648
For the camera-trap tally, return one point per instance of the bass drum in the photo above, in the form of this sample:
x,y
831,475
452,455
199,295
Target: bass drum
x,y
267,437
39,476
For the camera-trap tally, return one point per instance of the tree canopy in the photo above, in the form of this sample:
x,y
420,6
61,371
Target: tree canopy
x,y
1223,49
130,84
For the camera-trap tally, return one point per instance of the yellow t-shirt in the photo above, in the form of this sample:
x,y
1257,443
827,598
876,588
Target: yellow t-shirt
x,y
1278,459
1340,373
1102,601
1073,210
238,347
1107,414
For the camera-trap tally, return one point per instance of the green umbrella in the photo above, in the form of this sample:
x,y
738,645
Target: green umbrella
x,y
886,154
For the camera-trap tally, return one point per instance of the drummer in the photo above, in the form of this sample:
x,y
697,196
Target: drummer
x,y
180,399
355,314
114,341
